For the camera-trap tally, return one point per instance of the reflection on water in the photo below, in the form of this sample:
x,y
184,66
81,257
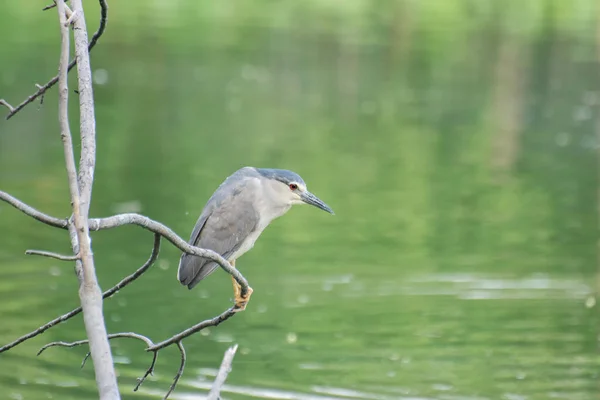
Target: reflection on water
x,y
460,285
457,142
321,393
466,286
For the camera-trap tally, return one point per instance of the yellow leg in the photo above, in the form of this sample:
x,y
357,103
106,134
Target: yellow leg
x,y
240,301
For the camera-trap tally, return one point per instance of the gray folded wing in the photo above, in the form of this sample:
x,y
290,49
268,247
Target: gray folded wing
x,y
225,223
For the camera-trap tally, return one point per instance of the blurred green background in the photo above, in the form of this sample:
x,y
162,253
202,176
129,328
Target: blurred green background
x,y
457,141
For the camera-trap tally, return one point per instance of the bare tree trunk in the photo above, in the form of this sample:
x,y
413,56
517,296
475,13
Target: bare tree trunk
x,y
79,225
81,190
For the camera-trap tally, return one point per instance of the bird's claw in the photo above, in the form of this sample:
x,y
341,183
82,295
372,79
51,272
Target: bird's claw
x,y
241,301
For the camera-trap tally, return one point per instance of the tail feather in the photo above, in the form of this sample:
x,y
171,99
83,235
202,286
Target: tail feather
x,y
192,269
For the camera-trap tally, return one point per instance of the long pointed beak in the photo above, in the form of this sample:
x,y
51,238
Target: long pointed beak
x,y
313,200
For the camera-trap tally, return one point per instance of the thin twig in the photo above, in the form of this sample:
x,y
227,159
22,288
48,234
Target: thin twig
x,y
85,341
42,96
5,104
32,212
196,328
50,6
131,335
152,347
224,370
130,278
53,81
179,372
149,371
51,255
41,329
88,354
109,293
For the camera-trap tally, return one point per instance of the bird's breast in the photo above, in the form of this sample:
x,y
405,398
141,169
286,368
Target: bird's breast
x,y
247,244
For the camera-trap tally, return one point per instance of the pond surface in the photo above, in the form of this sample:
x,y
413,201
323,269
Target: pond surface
x,y
458,150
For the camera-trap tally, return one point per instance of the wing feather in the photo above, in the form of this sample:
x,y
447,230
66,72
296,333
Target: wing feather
x,y
226,221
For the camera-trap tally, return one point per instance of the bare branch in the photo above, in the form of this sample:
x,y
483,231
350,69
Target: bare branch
x,y
109,293
149,371
5,104
51,255
196,328
179,372
130,278
85,341
90,295
87,120
41,329
224,370
88,354
42,89
114,221
156,227
32,212
70,19
102,26
50,6
131,335
152,347
69,14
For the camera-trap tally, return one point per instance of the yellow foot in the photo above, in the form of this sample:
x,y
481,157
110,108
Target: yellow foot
x,y
240,301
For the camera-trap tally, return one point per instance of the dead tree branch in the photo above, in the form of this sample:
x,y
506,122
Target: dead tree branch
x,y
51,255
43,88
166,232
80,189
5,104
224,370
32,212
154,349
50,6
79,224
158,229
109,293
70,19
179,371
87,120
96,224
196,328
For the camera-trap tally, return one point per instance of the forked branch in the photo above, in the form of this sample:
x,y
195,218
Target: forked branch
x,y
79,225
50,254
96,224
160,230
43,88
154,349
109,293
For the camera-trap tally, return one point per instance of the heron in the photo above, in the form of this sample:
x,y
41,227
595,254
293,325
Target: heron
x,y
235,216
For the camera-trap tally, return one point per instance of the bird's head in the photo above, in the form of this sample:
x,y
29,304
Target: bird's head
x,y
291,189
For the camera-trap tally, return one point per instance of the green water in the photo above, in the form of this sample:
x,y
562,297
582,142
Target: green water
x,y
456,142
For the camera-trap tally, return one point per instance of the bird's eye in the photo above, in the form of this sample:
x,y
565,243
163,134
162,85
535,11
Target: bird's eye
x,y
293,186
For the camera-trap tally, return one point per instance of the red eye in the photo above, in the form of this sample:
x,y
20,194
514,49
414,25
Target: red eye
x,y
293,186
